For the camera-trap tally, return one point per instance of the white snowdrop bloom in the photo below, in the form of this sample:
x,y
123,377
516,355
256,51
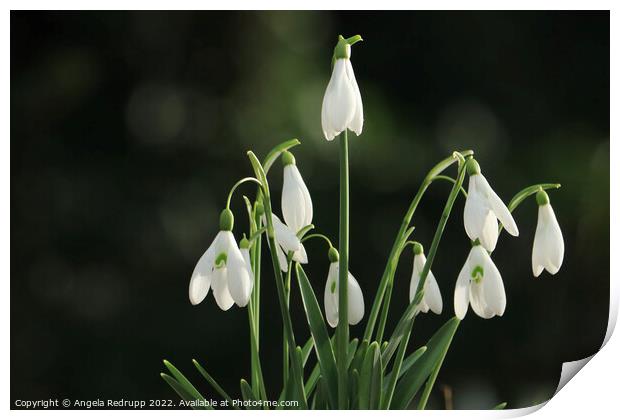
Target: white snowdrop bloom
x,y
287,242
432,296
480,284
355,297
548,249
296,201
342,104
222,268
483,208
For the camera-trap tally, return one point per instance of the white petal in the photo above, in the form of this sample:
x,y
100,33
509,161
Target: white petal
x,y
461,290
239,280
548,249
285,236
355,301
248,263
493,286
296,201
200,282
478,302
413,285
282,260
357,122
498,207
338,102
220,289
330,299
432,295
490,232
476,210
300,255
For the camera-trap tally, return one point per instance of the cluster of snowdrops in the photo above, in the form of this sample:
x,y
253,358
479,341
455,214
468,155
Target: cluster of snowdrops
x,y
367,372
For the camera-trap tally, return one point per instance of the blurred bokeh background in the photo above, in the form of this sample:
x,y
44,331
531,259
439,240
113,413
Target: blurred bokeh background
x,y
128,128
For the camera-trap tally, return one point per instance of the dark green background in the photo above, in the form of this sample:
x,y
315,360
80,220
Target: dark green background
x,y
128,128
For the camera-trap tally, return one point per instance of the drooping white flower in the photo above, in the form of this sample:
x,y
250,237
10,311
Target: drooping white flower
x,y
548,249
222,268
355,297
483,208
342,104
296,201
480,284
432,296
287,242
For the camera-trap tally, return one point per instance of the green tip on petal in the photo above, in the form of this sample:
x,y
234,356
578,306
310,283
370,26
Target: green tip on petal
x,y
473,168
227,220
333,255
288,158
542,198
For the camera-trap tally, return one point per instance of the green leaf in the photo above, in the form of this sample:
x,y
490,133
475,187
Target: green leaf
x,y
407,363
322,344
500,406
413,380
370,379
273,155
353,386
306,349
359,356
526,192
183,382
182,393
246,391
213,382
351,351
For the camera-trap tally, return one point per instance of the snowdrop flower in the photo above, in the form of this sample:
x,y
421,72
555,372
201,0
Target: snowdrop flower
x,y
483,208
287,242
296,201
548,250
355,297
342,104
479,284
432,297
223,268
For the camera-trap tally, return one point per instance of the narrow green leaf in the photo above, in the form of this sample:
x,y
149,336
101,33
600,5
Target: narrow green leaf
x,y
181,392
500,406
359,356
213,382
413,380
322,344
366,377
407,363
353,385
273,155
377,381
246,391
183,381
351,351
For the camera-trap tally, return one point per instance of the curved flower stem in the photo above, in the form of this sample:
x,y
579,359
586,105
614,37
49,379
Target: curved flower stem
x,y
342,330
318,235
284,310
452,180
406,321
237,184
388,293
392,259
